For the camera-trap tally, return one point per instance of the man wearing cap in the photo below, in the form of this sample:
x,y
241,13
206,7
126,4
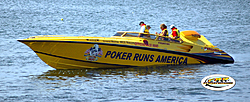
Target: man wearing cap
x,y
144,29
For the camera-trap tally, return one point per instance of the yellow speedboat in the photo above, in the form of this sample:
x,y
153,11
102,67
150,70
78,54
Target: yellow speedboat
x,y
125,49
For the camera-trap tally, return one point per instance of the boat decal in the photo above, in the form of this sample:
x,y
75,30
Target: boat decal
x,y
146,57
164,43
146,44
113,41
172,59
199,56
211,49
93,53
92,39
83,60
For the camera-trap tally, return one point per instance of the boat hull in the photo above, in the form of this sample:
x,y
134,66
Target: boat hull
x,y
80,54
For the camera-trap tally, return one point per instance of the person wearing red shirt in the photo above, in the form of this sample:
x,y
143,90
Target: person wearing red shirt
x,y
175,32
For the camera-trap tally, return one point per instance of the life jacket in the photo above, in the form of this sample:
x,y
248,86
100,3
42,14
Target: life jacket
x,y
146,29
178,33
164,31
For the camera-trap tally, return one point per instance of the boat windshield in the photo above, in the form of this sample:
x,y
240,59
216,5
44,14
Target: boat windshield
x,y
145,35
127,34
135,34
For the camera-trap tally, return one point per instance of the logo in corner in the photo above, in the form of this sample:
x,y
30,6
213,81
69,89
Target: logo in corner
x,y
93,53
218,82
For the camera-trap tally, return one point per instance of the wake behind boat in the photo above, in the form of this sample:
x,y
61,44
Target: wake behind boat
x,y
125,49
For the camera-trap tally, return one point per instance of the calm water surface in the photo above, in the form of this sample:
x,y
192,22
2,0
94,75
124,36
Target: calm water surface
x,y
24,77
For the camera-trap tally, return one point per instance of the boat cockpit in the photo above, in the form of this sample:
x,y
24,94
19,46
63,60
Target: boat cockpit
x,y
145,36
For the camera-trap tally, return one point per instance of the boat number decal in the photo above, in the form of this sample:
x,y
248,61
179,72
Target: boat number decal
x,y
145,57
93,53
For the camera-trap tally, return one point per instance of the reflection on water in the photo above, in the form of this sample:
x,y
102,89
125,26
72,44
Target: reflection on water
x,y
157,82
120,79
166,71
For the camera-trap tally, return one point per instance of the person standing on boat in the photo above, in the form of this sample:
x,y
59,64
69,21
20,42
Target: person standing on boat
x,y
144,29
164,31
175,32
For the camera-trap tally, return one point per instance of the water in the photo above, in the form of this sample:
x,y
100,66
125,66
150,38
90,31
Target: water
x,y
24,77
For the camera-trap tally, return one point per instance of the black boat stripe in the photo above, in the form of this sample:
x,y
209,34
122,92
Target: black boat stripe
x,y
82,60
